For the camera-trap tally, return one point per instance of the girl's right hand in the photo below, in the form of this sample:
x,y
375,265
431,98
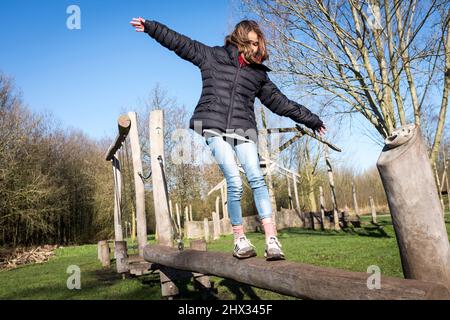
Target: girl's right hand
x,y
138,23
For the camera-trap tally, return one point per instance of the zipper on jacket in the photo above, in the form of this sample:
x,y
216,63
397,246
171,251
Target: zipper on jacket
x,y
232,96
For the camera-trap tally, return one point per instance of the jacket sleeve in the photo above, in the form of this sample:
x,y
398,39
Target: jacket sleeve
x,y
186,48
277,102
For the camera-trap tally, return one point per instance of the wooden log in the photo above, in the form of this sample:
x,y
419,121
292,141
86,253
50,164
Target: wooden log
x,y
200,278
105,254
414,204
294,279
124,124
120,248
164,225
118,233
141,220
374,211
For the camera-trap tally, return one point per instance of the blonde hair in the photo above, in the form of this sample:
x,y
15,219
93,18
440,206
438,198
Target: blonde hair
x,y
239,37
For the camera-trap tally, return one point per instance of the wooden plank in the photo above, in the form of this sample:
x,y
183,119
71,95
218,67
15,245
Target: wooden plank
x,y
292,278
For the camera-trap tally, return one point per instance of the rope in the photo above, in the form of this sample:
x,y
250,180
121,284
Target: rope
x,y
176,235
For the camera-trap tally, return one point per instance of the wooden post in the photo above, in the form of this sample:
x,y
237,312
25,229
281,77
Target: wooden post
x,y
217,205
127,230
223,193
104,254
206,229
446,182
291,203
374,212
170,209
178,217
160,195
120,248
411,191
265,150
216,225
333,191
322,207
99,250
200,278
436,177
186,213
118,233
141,220
190,213
297,203
355,201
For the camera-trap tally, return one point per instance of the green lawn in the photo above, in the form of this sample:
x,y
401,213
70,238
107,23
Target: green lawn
x,y
353,250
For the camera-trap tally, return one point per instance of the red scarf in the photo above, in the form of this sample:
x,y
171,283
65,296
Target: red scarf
x,y
242,62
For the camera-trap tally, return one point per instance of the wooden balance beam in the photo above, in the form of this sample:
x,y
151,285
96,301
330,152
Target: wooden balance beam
x,y
293,278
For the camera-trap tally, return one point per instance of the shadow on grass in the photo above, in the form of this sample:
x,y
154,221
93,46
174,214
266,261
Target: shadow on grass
x,y
373,231
368,231
192,290
239,290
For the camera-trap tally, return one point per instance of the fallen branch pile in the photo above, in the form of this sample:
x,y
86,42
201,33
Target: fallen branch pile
x,y
10,259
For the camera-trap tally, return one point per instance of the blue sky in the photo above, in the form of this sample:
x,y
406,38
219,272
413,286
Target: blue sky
x,y
87,77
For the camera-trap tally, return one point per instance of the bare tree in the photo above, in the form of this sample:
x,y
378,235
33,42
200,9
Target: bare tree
x,y
384,59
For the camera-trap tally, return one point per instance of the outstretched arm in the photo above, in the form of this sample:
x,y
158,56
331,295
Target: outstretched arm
x,y
277,102
186,48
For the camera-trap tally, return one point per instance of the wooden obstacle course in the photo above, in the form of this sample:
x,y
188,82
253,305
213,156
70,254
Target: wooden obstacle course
x,y
297,279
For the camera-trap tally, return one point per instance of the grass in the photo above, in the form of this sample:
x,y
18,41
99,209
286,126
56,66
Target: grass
x,y
355,250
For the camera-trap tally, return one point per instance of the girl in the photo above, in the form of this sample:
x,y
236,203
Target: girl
x,y
233,75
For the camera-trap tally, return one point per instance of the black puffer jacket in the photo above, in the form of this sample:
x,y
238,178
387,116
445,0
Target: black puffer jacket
x,y
229,91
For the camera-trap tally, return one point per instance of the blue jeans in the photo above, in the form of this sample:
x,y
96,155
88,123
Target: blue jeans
x,y
247,153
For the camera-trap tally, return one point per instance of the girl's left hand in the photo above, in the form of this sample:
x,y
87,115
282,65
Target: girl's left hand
x,y
138,23
321,131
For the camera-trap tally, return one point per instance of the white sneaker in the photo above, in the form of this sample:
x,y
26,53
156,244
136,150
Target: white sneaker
x,y
273,250
243,248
